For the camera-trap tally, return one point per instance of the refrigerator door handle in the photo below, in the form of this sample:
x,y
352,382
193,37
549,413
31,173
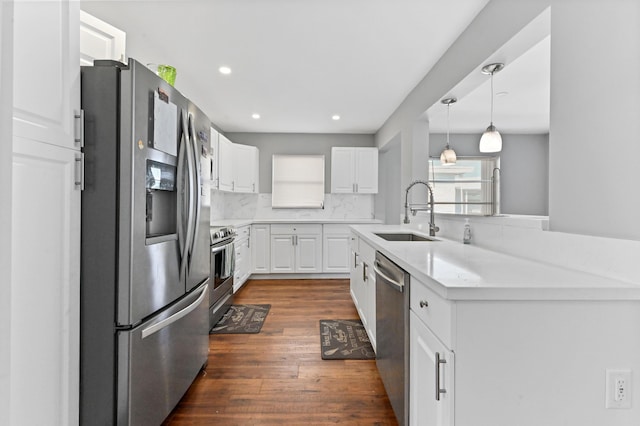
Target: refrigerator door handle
x,y
189,192
181,195
195,173
177,316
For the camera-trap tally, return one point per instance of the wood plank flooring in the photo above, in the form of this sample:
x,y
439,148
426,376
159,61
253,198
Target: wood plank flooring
x,y
277,377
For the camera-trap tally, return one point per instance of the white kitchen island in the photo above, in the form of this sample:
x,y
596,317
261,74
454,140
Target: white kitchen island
x,y
524,343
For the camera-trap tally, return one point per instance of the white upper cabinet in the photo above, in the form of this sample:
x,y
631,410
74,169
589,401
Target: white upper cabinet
x,y
213,158
244,166
46,74
225,164
354,170
237,167
100,40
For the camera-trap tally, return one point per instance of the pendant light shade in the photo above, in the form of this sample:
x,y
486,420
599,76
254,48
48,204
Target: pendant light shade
x,y
448,156
491,141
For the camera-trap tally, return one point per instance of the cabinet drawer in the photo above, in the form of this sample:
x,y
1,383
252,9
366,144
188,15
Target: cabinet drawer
x,y
367,253
280,229
437,313
243,232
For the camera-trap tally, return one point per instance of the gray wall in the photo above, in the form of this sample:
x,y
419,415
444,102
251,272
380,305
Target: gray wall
x,y
388,200
297,143
524,168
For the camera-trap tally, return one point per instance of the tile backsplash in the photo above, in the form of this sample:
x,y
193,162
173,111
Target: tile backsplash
x,y
225,205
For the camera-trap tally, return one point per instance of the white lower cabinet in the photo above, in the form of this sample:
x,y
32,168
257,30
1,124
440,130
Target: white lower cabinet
x,y
518,362
296,248
260,251
243,257
363,285
336,248
432,367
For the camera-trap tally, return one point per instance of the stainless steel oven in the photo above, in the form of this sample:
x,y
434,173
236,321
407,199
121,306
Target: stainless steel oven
x,y
222,270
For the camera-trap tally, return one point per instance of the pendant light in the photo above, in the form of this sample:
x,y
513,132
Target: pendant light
x,y
448,156
491,141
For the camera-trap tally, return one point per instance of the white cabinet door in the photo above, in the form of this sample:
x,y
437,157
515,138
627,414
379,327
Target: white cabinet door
x,y
260,248
425,349
353,278
283,253
225,164
336,250
213,158
45,287
354,170
46,71
366,170
100,40
244,168
369,290
308,248
243,263
45,215
342,170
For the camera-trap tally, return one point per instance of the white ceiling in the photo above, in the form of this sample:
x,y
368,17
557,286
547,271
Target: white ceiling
x,y
296,63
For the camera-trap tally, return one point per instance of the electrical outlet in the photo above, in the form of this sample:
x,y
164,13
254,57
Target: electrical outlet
x,y
618,394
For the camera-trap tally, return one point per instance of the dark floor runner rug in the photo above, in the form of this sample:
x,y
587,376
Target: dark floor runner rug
x,y
242,319
344,339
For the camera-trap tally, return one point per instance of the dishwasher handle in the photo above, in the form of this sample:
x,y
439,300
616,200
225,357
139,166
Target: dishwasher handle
x,y
397,285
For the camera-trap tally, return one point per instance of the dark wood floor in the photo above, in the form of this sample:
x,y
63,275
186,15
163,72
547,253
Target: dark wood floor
x,y
277,377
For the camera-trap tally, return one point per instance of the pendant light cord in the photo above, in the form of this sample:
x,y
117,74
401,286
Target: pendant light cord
x,y
448,108
492,97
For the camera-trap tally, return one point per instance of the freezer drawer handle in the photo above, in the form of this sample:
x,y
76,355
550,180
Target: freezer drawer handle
x,y
376,268
175,317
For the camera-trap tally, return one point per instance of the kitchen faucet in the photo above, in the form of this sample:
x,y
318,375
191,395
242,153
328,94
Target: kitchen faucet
x,y
432,222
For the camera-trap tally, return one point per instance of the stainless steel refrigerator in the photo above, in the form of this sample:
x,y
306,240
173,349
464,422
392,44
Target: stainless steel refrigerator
x,y
145,246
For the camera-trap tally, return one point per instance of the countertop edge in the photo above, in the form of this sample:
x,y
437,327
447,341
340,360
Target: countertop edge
x,y
244,222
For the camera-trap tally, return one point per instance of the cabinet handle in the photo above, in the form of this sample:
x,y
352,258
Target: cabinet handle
x,y
79,172
357,187
424,304
355,260
79,130
364,271
438,389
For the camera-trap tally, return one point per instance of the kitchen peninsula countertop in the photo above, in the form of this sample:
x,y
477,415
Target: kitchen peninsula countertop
x,y
459,271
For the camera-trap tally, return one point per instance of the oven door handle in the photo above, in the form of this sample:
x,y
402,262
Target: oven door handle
x,y
219,249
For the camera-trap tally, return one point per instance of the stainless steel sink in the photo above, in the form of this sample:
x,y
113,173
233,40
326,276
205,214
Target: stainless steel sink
x,y
403,236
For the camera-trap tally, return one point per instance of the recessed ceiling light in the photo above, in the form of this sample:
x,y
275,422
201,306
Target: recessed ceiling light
x,y
255,116
335,117
224,70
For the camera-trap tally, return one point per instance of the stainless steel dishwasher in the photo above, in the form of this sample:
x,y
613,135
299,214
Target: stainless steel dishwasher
x,y
392,333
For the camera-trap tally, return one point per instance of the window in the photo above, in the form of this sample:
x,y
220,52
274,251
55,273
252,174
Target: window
x,y
298,181
470,187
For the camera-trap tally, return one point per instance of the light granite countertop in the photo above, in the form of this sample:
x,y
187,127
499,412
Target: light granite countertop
x,y
459,271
